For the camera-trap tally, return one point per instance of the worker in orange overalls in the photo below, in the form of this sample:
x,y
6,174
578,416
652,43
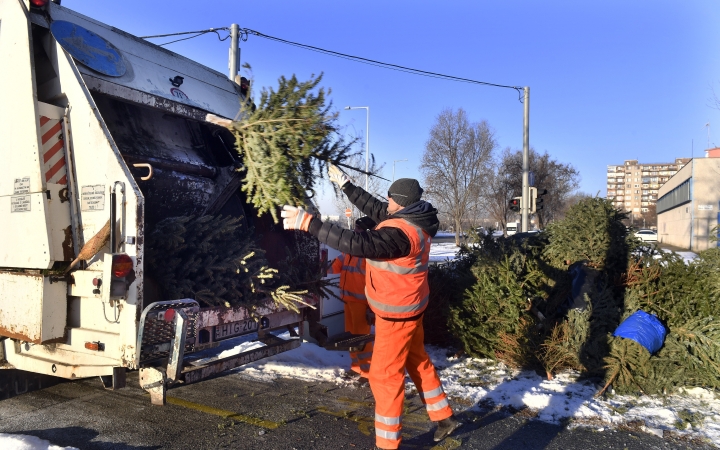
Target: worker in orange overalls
x,y
397,251
352,293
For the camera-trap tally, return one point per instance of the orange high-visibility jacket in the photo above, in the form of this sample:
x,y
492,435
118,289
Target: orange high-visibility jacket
x,y
398,288
352,277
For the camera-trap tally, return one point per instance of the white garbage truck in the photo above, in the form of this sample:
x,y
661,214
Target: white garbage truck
x,y
97,128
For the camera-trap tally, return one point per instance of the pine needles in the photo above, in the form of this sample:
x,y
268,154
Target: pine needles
x,y
215,261
286,143
517,311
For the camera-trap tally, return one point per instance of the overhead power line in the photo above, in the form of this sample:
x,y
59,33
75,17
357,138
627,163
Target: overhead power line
x,y
245,32
374,62
196,33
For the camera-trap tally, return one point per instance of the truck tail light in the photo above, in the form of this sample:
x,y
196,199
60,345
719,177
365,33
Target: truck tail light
x,y
169,315
122,265
39,3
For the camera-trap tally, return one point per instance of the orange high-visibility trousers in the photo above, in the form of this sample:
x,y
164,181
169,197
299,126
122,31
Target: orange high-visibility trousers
x,y
399,347
356,323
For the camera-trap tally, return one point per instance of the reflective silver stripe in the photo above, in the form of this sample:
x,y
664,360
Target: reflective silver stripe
x,y
365,367
353,269
437,406
355,360
394,268
418,260
365,355
398,309
387,421
344,293
431,394
391,435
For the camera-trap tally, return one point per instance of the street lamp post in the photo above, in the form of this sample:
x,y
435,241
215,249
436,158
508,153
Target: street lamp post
x,y
397,160
367,141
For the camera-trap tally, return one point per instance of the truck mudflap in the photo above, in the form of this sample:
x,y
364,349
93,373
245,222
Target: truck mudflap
x,y
170,329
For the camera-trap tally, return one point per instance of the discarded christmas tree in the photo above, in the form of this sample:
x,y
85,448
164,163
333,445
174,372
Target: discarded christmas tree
x,y
215,261
286,143
554,302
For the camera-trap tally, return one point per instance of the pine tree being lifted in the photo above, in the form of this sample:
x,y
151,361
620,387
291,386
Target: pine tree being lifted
x,y
286,143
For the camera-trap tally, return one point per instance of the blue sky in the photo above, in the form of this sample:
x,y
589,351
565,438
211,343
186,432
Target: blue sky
x,y
609,80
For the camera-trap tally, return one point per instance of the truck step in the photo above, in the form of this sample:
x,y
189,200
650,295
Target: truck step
x,y
348,342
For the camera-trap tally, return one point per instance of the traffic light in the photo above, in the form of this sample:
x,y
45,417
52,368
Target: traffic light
x,y
536,201
515,204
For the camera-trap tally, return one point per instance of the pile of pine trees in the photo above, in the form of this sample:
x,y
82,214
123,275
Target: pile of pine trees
x,y
524,309
216,261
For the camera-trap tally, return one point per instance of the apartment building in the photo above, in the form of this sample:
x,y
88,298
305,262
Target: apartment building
x,y
634,186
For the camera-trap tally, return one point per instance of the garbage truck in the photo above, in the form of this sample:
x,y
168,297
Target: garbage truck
x,y
101,129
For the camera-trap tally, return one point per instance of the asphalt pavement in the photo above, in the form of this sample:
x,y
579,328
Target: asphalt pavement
x,y
234,412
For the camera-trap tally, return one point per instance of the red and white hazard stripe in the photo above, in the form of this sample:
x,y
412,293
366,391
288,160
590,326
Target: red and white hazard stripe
x,y
53,150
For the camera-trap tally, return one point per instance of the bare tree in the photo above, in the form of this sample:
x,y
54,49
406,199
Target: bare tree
x,y
501,188
559,179
457,164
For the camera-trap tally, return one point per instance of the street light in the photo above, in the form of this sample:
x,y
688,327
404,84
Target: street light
x,y
397,160
367,141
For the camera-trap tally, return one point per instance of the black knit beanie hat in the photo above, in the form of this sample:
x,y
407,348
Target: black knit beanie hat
x,y
405,191
365,223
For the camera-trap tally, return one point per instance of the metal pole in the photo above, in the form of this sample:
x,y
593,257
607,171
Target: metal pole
x,y
367,148
234,58
525,207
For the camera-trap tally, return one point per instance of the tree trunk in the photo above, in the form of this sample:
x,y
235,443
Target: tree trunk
x,y
458,231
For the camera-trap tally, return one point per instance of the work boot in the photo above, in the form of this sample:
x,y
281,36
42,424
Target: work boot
x,y
362,382
445,428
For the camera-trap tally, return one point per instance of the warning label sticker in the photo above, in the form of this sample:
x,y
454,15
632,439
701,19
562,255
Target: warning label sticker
x,y
93,198
19,203
22,185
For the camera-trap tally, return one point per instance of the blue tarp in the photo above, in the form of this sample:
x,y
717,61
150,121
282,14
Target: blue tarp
x,y
643,328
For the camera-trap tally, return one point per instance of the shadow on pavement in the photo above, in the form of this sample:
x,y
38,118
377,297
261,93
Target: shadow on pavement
x,y
81,438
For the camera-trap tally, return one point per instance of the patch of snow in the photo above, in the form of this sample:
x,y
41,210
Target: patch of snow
x,y
686,256
23,442
443,252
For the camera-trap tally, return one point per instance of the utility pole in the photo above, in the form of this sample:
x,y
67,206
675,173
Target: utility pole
x,y
234,59
525,204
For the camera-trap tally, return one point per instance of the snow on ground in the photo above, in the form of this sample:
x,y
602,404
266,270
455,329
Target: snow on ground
x,y
22,442
443,252
687,256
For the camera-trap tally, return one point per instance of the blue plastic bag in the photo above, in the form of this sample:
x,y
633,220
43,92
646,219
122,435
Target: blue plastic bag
x,y
643,328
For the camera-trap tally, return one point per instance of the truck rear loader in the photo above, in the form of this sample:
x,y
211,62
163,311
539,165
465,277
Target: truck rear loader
x,y
102,135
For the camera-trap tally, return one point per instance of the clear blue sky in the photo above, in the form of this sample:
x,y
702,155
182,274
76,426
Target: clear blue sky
x,y
609,80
